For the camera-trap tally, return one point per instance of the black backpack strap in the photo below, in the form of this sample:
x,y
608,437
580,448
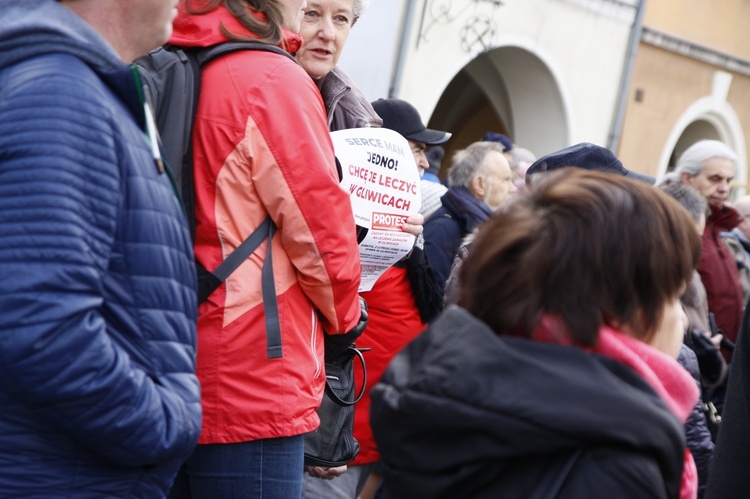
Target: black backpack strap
x,y
265,230
209,281
270,305
187,185
244,250
207,55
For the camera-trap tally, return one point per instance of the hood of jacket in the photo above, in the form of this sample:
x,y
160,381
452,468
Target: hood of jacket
x,y
461,395
38,27
204,30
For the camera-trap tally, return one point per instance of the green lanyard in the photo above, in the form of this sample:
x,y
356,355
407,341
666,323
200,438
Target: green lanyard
x,y
152,134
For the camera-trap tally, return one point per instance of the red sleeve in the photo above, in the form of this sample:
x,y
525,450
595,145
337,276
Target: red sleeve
x,y
302,194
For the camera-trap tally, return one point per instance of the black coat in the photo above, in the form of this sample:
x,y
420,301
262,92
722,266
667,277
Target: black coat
x,y
462,412
728,477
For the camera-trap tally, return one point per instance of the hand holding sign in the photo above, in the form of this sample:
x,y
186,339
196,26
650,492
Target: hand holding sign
x,y
380,175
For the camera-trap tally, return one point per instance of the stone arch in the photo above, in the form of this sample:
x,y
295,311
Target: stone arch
x,y
510,89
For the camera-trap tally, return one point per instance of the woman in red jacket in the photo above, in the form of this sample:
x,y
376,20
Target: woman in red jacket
x,y
261,148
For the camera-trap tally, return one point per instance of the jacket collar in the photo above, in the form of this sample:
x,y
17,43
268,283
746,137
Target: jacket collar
x,y
724,217
332,90
204,30
466,207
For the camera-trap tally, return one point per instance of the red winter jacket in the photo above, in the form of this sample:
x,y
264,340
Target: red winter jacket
x,y
394,321
261,147
718,271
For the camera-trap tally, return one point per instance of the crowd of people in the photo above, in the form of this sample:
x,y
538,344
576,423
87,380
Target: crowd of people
x,y
562,327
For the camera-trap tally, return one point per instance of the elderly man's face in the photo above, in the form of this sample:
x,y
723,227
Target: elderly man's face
x,y
325,28
498,179
714,182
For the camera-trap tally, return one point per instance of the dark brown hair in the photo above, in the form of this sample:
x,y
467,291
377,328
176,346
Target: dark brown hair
x,y
267,29
588,247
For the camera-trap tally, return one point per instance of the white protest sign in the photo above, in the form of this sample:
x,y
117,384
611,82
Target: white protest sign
x,y
382,179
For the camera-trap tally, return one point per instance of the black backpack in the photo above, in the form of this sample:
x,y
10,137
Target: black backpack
x,y
172,78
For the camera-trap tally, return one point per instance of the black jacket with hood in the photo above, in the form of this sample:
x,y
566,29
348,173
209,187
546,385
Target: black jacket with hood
x,y
463,412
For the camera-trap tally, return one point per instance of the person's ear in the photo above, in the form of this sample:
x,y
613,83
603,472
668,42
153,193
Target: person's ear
x,y
686,178
478,186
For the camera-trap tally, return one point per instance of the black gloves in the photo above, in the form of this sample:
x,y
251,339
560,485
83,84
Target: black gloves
x,y
336,345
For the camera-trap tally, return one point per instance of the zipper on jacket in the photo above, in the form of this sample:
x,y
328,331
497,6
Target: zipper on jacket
x,y
314,342
151,133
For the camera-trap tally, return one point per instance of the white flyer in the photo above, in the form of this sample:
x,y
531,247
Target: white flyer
x,y
382,179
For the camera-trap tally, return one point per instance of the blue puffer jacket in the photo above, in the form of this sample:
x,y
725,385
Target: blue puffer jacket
x,y
98,396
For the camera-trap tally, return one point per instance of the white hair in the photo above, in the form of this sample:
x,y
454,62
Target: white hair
x,y
468,163
359,7
694,158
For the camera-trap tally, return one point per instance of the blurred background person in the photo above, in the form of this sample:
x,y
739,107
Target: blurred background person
x,y
742,232
738,244
479,182
699,436
727,477
584,155
709,167
432,188
435,155
520,161
504,141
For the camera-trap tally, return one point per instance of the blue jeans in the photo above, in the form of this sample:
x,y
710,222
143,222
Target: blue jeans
x,y
262,469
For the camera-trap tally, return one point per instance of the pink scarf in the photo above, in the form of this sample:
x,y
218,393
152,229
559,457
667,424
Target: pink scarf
x,y
673,383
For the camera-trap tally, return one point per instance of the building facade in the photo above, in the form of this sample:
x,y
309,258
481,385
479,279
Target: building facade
x,y
644,78
691,81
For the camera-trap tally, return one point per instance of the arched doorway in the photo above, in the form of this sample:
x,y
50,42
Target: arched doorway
x,y
697,130
508,90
